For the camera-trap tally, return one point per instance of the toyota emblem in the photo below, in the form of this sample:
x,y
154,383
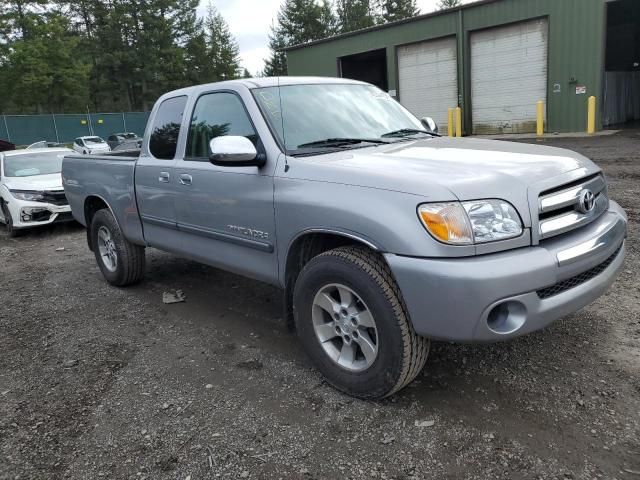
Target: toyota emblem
x,y
586,201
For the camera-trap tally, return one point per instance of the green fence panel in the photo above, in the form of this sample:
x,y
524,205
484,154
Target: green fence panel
x,y
71,126
105,124
64,128
26,129
136,122
3,129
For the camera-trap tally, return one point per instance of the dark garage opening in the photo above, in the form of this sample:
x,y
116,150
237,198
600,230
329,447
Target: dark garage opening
x,y
621,103
368,67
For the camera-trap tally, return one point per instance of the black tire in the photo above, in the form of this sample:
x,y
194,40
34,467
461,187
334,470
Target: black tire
x,y
401,352
8,222
130,261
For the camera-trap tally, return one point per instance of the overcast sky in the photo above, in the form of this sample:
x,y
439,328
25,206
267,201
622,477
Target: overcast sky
x,y
250,20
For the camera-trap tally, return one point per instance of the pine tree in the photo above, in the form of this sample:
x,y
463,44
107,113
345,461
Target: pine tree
x,y
356,14
298,21
276,64
393,10
43,70
246,74
222,48
19,17
444,4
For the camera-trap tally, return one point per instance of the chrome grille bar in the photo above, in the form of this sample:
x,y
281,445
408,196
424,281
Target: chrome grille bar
x,y
566,203
570,196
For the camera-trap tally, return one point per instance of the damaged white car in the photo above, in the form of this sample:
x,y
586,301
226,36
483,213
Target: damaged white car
x,y
31,192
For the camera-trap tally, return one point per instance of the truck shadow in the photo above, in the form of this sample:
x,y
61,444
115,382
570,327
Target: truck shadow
x,y
219,299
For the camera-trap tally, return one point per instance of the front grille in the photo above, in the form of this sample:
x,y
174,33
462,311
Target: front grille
x,y
561,209
573,282
55,198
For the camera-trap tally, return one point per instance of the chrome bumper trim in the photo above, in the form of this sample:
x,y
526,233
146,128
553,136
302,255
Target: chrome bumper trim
x,y
604,236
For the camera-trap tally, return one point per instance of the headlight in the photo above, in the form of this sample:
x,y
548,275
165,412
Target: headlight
x,y
28,196
466,223
493,220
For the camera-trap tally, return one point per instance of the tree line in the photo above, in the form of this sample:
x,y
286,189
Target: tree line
x,y
108,55
121,55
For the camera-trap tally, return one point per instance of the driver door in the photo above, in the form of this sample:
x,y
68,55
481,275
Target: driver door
x,y
225,214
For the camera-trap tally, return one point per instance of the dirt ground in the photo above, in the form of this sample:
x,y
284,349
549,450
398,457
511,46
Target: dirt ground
x,y
98,382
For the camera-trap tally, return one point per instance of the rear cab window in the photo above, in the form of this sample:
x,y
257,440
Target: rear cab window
x,y
163,141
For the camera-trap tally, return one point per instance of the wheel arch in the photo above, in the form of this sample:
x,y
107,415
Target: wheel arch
x,y
92,204
308,244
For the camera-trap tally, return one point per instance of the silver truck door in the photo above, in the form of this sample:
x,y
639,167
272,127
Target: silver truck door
x,y
155,179
225,214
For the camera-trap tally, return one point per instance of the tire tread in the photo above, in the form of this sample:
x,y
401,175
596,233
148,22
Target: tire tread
x,y
133,261
416,348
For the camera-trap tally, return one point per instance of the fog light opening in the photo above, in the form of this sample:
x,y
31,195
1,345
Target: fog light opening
x,y
507,317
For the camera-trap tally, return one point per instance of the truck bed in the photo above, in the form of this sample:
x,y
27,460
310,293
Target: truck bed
x,y
109,178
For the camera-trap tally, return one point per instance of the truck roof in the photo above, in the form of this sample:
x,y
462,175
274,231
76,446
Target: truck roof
x,y
252,83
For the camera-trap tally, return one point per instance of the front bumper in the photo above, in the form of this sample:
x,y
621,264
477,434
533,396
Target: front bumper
x,y
32,214
504,295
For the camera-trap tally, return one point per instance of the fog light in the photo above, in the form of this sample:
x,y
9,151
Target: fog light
x,y
507,317
35,214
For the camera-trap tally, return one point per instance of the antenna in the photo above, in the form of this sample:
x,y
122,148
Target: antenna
x,y
284,138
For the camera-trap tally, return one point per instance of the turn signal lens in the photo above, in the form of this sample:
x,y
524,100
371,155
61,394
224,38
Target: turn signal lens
x,y
447,222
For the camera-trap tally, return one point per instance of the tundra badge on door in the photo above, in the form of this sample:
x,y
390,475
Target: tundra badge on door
x,y
249,232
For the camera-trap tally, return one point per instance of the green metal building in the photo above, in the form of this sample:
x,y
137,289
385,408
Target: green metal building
x,y
496,59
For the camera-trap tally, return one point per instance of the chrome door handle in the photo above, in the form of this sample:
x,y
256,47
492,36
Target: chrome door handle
x,y
164,177
185,179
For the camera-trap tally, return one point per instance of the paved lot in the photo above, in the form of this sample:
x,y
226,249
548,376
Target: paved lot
x,y
97,382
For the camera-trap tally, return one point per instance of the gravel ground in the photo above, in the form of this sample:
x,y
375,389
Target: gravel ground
x,y
97,382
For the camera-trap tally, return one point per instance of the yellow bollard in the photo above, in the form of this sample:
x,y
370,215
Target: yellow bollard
x,y
458,122
591,117
540,129
451,122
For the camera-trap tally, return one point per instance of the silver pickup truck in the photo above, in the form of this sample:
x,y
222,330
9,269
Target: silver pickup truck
x,y
381,234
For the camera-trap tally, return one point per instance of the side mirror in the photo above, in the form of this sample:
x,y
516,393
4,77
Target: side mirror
x,y
429,124
234,151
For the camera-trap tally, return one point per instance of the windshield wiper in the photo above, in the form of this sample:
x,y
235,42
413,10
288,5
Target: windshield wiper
x,y
339,142
405,132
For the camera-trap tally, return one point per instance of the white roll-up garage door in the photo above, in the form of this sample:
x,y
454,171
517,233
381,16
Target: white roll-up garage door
x,y
508,77
428,78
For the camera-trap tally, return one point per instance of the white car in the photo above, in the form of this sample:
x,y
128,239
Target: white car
x,y
31,192
92,144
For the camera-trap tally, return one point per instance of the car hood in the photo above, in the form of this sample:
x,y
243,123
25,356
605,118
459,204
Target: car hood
x,y
99,146
445,169
36,182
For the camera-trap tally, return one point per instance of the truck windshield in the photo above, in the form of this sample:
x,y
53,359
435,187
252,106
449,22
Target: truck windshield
x,y
314,116
31,165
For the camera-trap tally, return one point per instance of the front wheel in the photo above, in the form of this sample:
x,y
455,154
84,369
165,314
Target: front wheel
x,y
353,323
8,222
122,263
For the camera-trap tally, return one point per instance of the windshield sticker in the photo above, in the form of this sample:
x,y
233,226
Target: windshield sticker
x,y
271,104
380,95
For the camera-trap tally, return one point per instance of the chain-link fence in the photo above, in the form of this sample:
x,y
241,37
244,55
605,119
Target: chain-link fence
x,y
64,128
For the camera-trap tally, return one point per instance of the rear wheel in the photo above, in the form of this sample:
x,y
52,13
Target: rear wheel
x,y
122,263
353,323
8,222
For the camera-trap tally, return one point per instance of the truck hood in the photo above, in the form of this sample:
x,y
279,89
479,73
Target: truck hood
x,y
445,169
51,181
